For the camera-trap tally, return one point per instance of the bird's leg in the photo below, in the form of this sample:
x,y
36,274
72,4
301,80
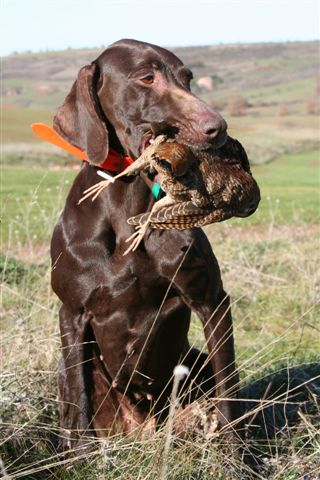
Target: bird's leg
x,y
139,164
144,159
97,188
141,230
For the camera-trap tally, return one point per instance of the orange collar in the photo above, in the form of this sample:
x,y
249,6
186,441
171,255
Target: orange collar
x,y
115,162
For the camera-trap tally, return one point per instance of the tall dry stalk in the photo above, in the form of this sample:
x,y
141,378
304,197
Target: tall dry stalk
x,y
179,373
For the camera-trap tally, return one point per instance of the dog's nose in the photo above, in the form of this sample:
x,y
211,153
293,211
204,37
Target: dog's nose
x,y
212,126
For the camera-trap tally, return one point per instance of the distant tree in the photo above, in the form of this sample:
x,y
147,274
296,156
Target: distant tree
x,y
282,110
218,104
318,85
216,80
312,106
197,64
237,106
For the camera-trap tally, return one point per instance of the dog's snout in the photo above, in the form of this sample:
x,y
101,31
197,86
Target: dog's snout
x,y
209,126
212,126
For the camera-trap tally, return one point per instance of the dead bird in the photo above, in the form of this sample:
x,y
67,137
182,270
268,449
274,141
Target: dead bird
x,y
178,173
177,169
144,161
230,187
201,187
170,161
180,178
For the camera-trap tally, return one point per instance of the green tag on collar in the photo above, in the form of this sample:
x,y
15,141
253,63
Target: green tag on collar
x,y
156,190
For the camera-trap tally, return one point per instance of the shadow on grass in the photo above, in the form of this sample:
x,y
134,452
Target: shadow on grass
x,y
281,399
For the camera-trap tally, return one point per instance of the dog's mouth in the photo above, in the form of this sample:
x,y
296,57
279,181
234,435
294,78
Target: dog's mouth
x,y
213,145
156,129
162,128
147,140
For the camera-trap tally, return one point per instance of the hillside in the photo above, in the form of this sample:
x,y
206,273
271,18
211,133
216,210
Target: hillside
x,y
259,88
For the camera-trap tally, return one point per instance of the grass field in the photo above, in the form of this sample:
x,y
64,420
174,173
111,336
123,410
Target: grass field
x,y
269,265
32,196
17,121
269,262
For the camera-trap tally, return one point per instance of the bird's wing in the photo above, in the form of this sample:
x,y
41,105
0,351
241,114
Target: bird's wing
x,y
180,216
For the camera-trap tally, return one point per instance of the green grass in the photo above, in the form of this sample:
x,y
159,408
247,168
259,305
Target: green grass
x,y
16,123
281,93
270,272
269,266
289,190
31,200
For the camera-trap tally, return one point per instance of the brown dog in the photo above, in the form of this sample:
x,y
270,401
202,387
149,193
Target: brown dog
x,y
124,320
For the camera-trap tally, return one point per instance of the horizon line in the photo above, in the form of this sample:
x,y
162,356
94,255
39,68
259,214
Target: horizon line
x,y
222,43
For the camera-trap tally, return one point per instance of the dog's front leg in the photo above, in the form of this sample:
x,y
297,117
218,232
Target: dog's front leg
x,y
73,395
217,323
187,260
215,314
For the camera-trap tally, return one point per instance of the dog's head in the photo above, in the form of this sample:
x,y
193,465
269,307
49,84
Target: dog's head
x,y
130,87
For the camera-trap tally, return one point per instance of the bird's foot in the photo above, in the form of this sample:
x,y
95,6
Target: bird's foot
x,y
95,190
137,237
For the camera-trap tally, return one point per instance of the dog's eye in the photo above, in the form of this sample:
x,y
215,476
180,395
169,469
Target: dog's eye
x,y
148,79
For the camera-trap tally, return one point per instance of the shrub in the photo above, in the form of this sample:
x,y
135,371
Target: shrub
x,y
237,106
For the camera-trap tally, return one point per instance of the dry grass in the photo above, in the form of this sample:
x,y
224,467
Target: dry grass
x,y
271,273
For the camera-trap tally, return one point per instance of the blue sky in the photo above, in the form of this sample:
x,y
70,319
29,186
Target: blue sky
x,y
57,25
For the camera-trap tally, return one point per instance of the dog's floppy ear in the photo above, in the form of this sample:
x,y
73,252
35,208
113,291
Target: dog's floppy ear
x,y
80,120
